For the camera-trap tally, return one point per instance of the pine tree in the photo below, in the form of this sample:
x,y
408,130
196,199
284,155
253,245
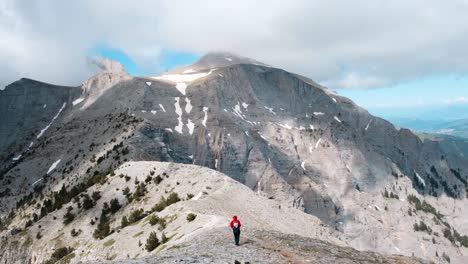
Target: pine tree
x,y
152,242
103,228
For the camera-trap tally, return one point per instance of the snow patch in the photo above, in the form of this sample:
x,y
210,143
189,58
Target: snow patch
x,y
153,112
181,87
36,182
318,113
169,130
263,137
162,107
53,166
198,196
318,143
245,105
205,118
368,124
311,126
228,59
337,119
148,83
188,71
216,163
44,106
270,109
17,158
53,119
77,101
190,126
143,111
421,180
188,106
303,165
247,133
183,78
178,111
30,145
334,100
285,126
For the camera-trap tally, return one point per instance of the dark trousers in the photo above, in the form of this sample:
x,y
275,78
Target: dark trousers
x,y
236,236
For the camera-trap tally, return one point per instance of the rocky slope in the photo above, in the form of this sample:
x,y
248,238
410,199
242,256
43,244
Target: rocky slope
x,y
281,135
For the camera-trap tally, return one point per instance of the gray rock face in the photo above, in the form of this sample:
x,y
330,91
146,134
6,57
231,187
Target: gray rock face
x,y
280,134
27,107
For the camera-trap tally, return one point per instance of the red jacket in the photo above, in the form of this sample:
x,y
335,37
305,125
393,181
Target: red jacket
x,y
234,220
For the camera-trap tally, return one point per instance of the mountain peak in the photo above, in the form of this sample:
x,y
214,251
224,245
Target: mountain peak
x,y
107,65
216,60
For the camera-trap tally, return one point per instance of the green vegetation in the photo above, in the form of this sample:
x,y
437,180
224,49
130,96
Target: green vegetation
x,y
155,220
163,203
152,242
140,192
135,216
59,254
423,206
109,243
422,227
103,228
191,217
69,216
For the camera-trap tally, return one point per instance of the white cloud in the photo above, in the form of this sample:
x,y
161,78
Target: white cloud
x,y
362,43
460,99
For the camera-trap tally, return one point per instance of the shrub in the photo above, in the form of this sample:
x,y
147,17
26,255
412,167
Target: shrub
x,y
59,254
160,205
103,228
124,222
172,198
75,233
422,227
136,215
158,179
140,192
191,217
68,218
153,219
96,196
87,202
189,196
114,205
164,239
152,242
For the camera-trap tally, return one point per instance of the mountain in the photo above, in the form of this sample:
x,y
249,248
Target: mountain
x,y
458,128
299,150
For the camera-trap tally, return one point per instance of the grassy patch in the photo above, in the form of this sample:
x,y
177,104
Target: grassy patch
x,y
161,248
109,243
28,242
111,257
138,234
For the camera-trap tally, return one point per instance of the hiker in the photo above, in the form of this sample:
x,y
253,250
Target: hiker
x,y
236,225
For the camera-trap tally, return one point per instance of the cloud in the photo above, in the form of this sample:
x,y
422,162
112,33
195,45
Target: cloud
x,y
345,44
457,100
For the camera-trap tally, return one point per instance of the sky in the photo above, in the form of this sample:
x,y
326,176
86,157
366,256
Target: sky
x,y
382,54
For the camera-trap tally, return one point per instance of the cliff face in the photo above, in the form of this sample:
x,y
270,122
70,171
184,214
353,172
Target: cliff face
x,y
280,134
26,108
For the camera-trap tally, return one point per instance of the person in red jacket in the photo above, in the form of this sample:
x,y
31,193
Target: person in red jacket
x,y
236,225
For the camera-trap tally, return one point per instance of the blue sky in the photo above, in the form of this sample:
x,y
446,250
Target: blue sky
x,y
413,98
168,59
